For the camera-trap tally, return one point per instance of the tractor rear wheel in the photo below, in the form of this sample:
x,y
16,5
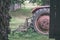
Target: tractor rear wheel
x,y
41,23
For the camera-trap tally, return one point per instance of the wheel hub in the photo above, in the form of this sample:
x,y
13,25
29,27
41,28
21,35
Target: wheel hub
x,y
43,23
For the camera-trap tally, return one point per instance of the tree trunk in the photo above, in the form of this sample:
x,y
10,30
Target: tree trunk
x,y
4,19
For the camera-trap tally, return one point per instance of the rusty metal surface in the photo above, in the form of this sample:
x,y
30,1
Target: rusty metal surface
x,y
42,25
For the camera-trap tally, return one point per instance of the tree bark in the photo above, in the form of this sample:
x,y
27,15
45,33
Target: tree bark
x,y
4,19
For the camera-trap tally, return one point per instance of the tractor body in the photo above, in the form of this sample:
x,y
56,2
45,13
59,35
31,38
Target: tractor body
x,y
40,19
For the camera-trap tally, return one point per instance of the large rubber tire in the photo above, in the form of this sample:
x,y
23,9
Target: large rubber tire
x,y
36,15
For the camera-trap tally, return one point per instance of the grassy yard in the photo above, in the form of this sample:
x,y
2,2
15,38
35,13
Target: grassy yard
x,y
18,18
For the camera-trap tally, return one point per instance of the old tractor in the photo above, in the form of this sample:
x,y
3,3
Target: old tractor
x,y
39,21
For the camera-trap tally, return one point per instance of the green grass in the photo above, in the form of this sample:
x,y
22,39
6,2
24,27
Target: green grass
x,y
15,22
22,11
18,18
28,36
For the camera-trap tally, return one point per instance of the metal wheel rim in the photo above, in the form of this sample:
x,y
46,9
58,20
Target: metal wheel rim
x,y
37,22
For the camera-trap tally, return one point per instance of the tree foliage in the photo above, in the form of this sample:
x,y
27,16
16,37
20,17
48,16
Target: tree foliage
x,y
40,2
17,1
32,1
45,2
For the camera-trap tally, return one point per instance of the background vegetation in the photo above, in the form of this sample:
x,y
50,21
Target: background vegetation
x,y
18,17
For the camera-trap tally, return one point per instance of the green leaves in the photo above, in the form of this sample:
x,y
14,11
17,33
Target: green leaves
x,y
45,2
40,2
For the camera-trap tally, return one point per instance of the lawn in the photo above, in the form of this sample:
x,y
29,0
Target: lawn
x,y
18,18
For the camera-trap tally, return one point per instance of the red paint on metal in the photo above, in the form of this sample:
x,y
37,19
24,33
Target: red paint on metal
x,y
43,22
